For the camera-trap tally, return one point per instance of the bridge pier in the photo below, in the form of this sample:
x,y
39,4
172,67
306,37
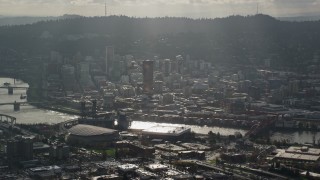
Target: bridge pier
x,y
10,90
16,106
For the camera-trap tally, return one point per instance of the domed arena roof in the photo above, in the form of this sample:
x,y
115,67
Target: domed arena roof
x,y
88,130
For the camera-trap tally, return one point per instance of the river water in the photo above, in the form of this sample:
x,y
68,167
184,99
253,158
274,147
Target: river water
x,y
30,114
27,114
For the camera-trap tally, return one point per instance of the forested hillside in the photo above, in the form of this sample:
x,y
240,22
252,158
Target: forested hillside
x,y
250,39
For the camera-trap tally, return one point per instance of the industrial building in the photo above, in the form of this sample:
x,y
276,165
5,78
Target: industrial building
x,y
88,135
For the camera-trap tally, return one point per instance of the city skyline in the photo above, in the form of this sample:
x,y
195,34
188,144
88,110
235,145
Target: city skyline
x,y
160,8
121,97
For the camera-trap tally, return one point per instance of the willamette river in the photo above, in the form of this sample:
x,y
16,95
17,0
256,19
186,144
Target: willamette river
x,y
30,114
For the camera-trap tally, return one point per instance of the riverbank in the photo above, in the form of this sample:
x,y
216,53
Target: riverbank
x,y
57,108
296,129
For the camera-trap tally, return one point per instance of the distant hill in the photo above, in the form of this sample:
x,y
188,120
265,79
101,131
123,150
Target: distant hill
x,y
300,18
234,39
21,20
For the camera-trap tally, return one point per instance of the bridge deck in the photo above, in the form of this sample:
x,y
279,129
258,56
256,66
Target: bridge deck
x,y
2,104
21,103
14,87
6,118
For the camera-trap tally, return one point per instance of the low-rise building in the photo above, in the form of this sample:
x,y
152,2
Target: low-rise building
x,y
303,157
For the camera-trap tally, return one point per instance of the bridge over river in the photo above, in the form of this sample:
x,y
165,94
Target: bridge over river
x,y
16,105
11,88
7,119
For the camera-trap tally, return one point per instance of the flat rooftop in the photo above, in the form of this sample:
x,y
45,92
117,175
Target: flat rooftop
x,y
171,172
170,147
195,146
303,150
127,167
298,157
156,167
45,168
112,176
166,130
143,172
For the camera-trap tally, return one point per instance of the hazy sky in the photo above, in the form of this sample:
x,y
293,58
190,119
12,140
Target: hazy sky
x,y
151,8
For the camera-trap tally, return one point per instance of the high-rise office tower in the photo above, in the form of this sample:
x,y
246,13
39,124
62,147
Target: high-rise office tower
x,y
109,59
167,67
20,148
148,77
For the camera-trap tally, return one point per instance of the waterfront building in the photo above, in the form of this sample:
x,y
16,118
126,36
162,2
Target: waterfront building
x,y
166,132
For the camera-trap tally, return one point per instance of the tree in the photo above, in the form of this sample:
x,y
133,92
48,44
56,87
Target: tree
x,y
104,155
308,174
218,136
